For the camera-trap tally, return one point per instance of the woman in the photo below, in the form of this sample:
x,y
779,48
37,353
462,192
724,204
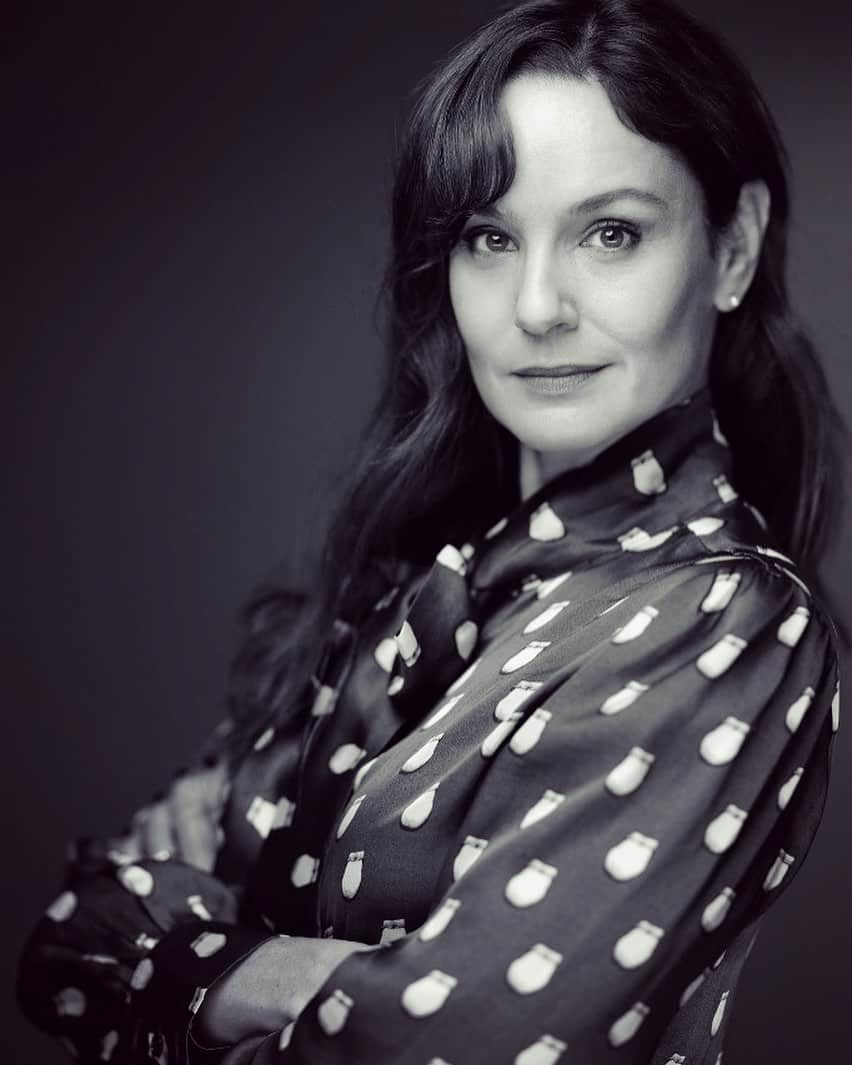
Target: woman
x,y
525,775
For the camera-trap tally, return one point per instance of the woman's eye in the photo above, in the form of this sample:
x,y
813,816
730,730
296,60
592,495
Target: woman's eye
x,y
486,241
612,236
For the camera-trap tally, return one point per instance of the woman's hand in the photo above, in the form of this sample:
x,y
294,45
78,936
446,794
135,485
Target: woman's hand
x,y
269,988
184,824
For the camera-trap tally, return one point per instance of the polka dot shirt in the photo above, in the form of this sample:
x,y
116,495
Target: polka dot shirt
x,y
555,780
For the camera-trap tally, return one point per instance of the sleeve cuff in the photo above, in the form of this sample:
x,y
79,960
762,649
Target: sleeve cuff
x,y
170,984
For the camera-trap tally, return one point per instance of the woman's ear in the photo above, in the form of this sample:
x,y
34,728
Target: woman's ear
x,y
739,247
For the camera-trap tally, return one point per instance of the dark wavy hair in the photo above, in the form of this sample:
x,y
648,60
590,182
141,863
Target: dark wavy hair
x,y
435,466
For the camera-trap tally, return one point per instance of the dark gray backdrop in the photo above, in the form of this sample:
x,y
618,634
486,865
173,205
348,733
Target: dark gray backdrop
x,y
195,235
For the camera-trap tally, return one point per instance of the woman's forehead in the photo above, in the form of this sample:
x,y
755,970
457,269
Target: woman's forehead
x,y
571,148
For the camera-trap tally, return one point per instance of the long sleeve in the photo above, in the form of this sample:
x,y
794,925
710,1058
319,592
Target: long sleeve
x,y
85,971
613,863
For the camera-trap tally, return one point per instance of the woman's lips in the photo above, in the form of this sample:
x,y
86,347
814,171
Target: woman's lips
x,y
565,370
557,379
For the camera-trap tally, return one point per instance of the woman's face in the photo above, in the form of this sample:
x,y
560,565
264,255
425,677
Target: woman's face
x,y
596,259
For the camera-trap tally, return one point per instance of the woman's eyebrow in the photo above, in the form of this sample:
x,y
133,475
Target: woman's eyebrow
x,y
595,203
592,203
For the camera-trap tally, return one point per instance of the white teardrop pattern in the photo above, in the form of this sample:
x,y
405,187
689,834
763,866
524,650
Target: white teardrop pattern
x,y
108,1045
422,755
719,1014
636,625
545,525
778,870
529,734
208,944
637,539
717,910
723,830
352,874
349,814
305,870
635,947
724,587
723,743
523,657
345,758
547,587
787,789
418,810
62,907
70,1002
427,995
790,631
544,1051
516,698
469,853
549,801
196,904
496,528
392,930
497,736
546,616
261,815
466,635
285,811
325,701
624,1029
705,526
450,557
141,975
798,709
724,489
533,970
439,920
407,644
531,884
630,858
136,880
362,772
630,772
385,653
333,1012
264,739
627,696
719,658
648,476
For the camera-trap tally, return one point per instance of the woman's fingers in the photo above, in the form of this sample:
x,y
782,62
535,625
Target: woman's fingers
x,y
129,846
195,805
155,830
184,824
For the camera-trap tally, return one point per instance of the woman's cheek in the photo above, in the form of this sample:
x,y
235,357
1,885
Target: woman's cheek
x,y
644,308
481,297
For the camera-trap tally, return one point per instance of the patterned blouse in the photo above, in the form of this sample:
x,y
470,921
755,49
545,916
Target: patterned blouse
x,y
556,780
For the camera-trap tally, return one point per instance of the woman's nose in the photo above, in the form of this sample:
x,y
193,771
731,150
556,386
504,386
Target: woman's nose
x,y
544,299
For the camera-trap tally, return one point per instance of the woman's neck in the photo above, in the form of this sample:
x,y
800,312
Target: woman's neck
x,y
538,467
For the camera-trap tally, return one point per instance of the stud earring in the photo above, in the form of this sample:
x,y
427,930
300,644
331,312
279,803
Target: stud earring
x,y
734,302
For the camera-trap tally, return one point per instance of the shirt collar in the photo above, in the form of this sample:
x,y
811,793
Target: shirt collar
x,y
670,471
652,480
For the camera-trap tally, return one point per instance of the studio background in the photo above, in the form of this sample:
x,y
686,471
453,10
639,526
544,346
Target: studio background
x,y
195,232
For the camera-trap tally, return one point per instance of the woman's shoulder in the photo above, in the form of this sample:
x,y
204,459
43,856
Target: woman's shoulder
x,y
748,594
